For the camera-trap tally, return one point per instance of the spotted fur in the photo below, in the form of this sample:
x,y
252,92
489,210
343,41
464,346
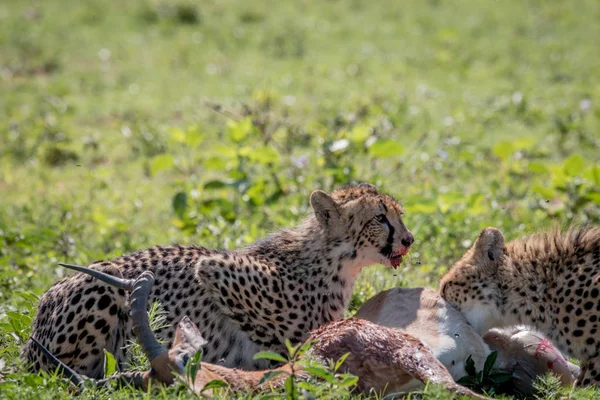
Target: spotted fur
x,y
243,301
550,281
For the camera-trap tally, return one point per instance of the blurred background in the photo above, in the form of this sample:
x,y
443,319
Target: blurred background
x,y
125,124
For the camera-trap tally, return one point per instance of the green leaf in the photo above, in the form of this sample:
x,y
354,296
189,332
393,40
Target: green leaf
x,y
537,167
215,163
349,380
215,384
593,174
30,297
524,143
270,355
546,192
110,364
304,348
178,134
359,133
594,196
320,372
263,155
194,366
267,376
386,148
489,362
470,366
180,204
574,165
223,151
213,185
289,387
503,150
500,377
239,130
290,347
339,362
479,377
466,380
160,163
193,137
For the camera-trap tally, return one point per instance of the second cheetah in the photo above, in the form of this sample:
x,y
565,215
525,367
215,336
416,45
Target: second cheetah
x,y
550,281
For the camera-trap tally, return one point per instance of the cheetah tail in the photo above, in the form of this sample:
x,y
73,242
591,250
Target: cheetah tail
x,y
62,367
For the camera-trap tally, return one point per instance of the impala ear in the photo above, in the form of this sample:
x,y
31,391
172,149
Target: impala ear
x,y
489,245
188,334
326,209
497,339
187,342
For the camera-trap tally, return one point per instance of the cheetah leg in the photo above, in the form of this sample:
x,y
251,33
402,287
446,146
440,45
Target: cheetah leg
x,y
590,372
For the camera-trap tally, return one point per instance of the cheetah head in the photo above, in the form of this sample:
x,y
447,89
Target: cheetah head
x,y
472,285
369,220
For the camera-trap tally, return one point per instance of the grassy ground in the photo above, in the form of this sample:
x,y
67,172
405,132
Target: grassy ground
x,y
132,123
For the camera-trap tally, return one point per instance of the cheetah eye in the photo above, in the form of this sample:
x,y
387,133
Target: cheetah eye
x,y
381,218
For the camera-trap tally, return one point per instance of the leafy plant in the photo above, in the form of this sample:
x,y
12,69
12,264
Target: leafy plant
x,y
294,355
488,380
324,380
192,366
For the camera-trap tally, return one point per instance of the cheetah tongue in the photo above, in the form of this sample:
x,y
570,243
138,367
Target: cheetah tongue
x,y
396,260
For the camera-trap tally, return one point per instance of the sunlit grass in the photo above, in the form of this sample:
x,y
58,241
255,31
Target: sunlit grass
x,y
129,124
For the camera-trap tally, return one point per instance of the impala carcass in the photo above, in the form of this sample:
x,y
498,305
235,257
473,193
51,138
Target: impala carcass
x,y
422,312
385,360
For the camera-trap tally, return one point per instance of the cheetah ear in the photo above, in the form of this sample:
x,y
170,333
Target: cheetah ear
x,y
490,244
326,209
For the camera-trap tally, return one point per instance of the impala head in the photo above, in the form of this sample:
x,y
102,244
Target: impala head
x,y
371,220
527,354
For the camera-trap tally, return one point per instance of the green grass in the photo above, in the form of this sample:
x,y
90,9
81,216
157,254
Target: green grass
x,y
125,124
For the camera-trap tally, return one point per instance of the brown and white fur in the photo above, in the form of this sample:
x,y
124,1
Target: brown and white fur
x,y
550,281
422,312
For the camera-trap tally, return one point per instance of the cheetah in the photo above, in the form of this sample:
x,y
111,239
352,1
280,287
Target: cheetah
x,y
244,301
550,281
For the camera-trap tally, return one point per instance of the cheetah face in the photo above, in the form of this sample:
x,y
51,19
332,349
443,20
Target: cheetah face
x,y
472,286
384,238
371,222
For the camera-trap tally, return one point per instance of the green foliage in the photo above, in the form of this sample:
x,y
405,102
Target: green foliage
x,y
324,380
488,380
129,124
192,367
110,364
295,353
337,385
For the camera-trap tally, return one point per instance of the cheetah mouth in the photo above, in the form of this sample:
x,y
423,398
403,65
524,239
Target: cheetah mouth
x,y
395,259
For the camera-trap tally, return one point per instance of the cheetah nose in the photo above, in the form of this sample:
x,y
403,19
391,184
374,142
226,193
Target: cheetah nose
x,y
407,241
